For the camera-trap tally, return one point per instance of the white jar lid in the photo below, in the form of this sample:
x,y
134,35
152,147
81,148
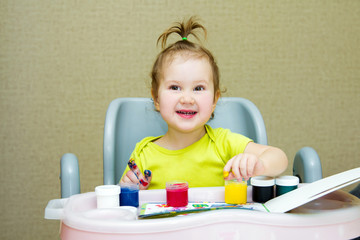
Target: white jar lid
x,y
129,185
106,190
287,181
262,181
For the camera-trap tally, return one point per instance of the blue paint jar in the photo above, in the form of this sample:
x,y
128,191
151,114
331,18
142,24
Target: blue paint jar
x,y
285,184
129,195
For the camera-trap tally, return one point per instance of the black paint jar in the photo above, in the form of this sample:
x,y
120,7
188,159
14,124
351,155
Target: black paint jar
x,y
262,188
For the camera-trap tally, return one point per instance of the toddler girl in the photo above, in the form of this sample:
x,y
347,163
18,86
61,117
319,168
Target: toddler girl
x,y
185,89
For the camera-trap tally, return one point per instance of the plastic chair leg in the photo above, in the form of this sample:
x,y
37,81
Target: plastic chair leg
x,y
307,165
69,175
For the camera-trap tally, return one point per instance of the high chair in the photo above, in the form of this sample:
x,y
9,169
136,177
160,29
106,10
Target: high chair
x,y
128,120
333,215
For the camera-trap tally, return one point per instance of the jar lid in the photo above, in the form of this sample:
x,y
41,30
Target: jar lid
x,y
130,186
287,181
106,190
262,181
235,181
177,185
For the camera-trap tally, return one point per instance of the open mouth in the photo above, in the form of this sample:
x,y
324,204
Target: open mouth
x,y
186,114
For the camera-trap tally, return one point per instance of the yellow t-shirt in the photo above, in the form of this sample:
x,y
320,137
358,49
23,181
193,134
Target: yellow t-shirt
x,y
200,164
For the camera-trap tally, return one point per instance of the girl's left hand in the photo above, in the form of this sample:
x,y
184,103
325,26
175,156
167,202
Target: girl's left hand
x,y
243,165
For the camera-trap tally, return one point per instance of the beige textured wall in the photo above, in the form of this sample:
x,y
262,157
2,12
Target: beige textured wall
x,y
62,62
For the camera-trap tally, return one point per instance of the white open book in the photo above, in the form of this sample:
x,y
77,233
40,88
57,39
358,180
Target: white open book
x,y
312,191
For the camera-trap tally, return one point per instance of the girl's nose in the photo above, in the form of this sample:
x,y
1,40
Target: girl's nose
x,y
187,99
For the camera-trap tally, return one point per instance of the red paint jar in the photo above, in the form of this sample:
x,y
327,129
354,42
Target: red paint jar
x,y
177,193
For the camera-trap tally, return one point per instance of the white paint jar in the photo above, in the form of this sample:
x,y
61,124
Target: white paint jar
x,y
107,196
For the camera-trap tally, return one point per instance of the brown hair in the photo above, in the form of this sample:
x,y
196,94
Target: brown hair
x,y
183,46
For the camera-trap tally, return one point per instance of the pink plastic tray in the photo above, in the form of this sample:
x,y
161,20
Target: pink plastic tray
x,y
334,216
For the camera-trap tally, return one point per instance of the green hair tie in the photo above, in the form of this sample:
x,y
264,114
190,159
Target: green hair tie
x,y
184,38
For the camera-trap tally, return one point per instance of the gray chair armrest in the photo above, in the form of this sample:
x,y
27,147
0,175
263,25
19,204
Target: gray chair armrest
x,y
69,175
307,165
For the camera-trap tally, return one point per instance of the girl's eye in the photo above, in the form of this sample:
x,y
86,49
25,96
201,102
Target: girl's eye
x,y
199,88
175,88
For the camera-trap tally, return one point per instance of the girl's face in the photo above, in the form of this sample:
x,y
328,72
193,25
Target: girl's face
x,y
186,97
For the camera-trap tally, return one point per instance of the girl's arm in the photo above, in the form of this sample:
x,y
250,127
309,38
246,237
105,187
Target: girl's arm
x,y
256,160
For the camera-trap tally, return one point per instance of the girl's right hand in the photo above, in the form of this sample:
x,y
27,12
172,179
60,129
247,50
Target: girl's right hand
x,y
135,176
143,179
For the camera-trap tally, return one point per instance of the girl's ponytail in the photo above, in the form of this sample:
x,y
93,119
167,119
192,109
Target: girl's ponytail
x,y
183,29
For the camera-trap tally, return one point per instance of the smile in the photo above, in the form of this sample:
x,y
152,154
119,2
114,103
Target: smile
x,y
186,114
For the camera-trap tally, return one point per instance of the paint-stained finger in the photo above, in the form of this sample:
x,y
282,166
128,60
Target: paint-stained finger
x,y
147,174
134,168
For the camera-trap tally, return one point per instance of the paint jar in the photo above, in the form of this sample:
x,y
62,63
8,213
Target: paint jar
x,y
285,184
262,188
129,195
177,193
235,191
107,196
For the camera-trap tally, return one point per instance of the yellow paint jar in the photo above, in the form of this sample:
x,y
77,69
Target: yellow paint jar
x,y
235,192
